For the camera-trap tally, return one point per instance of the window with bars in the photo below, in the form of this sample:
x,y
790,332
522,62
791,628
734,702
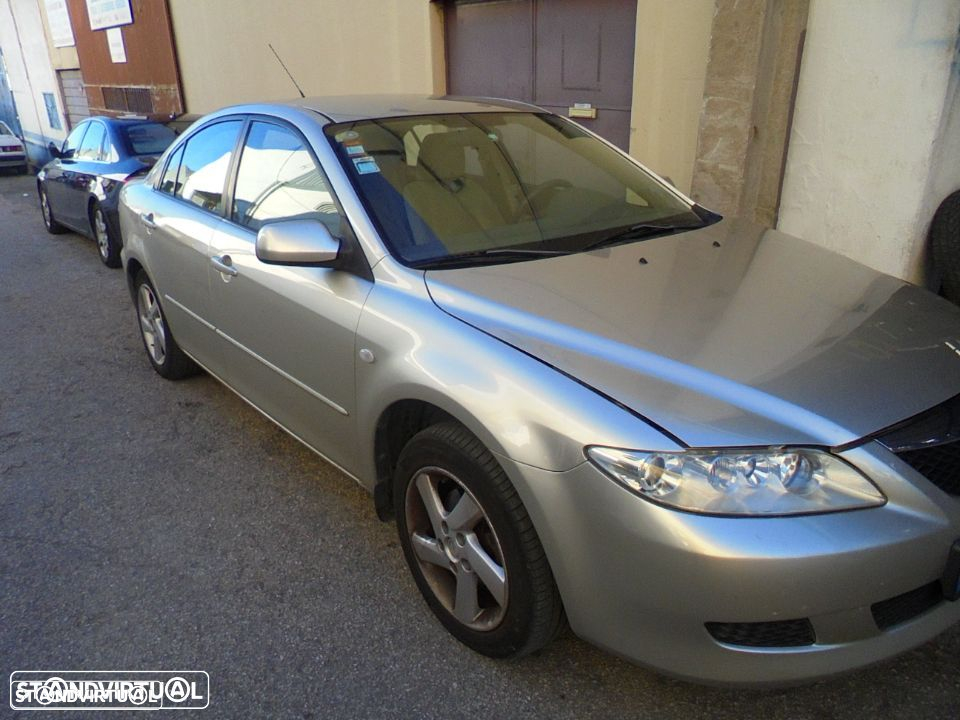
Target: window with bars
x,y
53,114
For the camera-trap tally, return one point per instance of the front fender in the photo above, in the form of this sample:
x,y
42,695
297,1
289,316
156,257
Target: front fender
x,y
516,405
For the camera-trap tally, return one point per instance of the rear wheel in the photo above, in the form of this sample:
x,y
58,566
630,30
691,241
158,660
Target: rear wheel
x,y
49,222
471,546
162,350
108,246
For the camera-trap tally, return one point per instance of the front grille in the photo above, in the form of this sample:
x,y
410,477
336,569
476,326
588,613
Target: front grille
x,y
780,633
900,609
940,464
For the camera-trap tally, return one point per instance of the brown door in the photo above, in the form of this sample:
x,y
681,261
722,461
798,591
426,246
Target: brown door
x,y
553,53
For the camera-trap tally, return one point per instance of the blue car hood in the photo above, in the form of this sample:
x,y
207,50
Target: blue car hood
x,y
730,335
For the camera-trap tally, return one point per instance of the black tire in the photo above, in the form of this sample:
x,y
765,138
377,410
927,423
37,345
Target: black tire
x,y
49,221
163,351
455,467
108,244
945,244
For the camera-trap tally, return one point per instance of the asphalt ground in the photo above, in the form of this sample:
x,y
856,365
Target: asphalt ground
x,y
153,525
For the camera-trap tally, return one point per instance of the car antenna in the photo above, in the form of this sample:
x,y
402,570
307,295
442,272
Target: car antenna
x,y
286,71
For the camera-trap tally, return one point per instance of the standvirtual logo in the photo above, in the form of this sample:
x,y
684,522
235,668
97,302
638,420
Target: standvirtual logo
x,y
109,690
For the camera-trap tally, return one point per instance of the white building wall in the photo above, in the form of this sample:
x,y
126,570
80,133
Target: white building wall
x,y
871,152
30,74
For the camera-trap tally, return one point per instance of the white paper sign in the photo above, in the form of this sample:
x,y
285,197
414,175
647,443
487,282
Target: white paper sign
x,y
58,20
109,13
118,53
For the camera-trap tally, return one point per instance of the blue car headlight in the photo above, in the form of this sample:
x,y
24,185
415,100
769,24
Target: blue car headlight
x,y
744,481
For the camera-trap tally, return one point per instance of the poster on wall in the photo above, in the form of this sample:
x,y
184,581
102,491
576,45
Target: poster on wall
x,y
118,53
109,13
58,20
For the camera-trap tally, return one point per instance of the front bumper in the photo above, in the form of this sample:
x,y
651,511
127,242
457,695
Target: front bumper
x,y
643,581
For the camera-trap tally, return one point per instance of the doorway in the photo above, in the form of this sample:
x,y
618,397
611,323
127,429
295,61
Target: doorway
x,y
572,57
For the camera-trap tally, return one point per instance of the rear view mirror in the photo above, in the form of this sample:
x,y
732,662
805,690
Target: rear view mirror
x,y
297,242
54,151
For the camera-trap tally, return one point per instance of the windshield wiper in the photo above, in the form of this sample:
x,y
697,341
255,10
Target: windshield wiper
x,y
642,230
480,256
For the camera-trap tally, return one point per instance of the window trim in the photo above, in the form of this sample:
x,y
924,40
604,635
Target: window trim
x,y
360,265
106,133
183,141
269,120
85,124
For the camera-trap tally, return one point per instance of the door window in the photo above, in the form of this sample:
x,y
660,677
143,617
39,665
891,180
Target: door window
x,y
206,160
90,148
168,184
278,179
72,142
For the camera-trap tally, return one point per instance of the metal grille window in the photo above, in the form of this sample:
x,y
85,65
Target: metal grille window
x,y
128,99
53,115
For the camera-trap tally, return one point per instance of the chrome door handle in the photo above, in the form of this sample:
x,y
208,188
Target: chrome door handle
x,y
147,220
224,265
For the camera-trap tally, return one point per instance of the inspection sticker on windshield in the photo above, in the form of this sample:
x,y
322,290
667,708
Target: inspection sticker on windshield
x,y
355,150
366,165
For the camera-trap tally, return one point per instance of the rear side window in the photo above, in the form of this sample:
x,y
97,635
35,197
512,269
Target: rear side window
x,y
148,139
204,165
278,179
168,184
90,148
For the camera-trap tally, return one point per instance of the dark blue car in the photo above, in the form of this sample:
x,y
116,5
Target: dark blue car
x,y
79,188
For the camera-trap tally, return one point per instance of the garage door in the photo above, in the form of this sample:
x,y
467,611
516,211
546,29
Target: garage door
x,y
574,57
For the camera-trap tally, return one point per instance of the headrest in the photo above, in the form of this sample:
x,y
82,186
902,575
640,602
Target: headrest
x,y
444,154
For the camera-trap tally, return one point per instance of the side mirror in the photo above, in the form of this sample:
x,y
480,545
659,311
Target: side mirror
x,y
54,151
297,242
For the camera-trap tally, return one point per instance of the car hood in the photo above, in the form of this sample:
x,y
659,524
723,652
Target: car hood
x,y
725,336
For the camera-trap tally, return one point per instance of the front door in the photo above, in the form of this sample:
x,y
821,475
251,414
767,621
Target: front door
x,y
573,57
287,333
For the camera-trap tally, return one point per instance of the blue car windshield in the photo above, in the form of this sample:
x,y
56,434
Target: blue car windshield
x,y
501,184
147,138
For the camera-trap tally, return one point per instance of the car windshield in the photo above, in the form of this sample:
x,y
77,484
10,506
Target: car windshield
x,y
147,138
495,187
5,129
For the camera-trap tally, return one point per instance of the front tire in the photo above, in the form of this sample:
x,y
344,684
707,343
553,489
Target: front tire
x,y
471,546
108,245
162,350
945,244
49,221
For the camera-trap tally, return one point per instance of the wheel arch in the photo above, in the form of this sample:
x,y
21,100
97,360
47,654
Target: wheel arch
x,y
395,426
132,269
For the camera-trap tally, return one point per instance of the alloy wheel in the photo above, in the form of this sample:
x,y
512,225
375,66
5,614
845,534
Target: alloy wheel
x,y
457,549
100,231
45,209
151,324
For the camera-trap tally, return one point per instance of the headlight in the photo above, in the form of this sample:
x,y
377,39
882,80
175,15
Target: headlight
x,y
772,481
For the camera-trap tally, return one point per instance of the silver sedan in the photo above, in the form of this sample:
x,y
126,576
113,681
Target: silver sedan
x,y
712,448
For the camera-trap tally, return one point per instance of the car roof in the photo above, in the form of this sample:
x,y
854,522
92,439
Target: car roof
x,y
346,108
122,121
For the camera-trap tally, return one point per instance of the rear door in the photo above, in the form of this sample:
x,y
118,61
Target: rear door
x,y
288,332
187,205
